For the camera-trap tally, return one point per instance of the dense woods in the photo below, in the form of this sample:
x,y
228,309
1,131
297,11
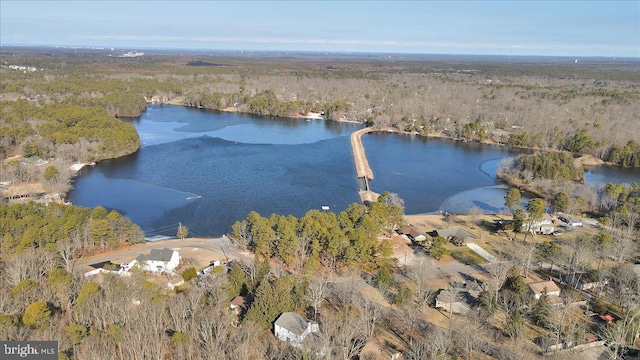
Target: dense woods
x,y
545,174
323,239
47,131
52,226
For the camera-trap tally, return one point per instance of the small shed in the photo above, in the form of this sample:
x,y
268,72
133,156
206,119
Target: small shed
x,y
174,282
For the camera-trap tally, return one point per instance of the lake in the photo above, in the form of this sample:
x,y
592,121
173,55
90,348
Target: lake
x,y
208,169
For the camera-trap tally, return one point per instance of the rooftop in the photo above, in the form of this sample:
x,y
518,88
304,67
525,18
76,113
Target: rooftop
x,y
292,322
539,287
156,255
457,232
410,230
239,301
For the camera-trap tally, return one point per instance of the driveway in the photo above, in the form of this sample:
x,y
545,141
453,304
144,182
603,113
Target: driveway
x,y
221,245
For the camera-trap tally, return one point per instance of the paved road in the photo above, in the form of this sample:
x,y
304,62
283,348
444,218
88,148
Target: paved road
x,y
220,245
445,269
483,253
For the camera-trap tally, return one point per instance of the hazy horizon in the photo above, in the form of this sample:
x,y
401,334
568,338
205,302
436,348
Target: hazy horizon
x,y
519,28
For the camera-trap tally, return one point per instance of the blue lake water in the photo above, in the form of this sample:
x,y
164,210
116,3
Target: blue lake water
x,y
209,169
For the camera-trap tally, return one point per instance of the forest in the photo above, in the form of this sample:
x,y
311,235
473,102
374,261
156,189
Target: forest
x,y
339,270
349,238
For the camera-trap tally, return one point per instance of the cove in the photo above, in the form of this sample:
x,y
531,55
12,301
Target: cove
x,y
209,169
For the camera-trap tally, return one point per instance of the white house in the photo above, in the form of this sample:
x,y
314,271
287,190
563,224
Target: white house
x,y
158,260
293,328
544,226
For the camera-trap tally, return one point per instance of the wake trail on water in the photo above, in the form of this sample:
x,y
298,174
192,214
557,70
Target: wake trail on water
x,y
188,195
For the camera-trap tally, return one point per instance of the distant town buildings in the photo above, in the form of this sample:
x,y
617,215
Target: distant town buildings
x,y
24,69
131,54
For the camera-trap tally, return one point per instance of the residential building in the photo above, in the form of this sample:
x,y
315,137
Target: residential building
x,y
413,234
457,236
537,289
238,305
543,226
455,305
294,329
158,260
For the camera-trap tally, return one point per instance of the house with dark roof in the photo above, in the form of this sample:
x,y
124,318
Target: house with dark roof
x,y
158,260
294,329
457,236
413,234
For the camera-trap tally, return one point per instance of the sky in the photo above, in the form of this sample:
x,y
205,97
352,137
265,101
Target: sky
x,y
543,27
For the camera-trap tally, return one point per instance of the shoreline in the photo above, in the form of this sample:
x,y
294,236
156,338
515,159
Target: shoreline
x,y
587,160
584,160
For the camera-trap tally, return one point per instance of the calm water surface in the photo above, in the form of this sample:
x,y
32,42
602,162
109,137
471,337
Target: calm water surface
x,y
209,169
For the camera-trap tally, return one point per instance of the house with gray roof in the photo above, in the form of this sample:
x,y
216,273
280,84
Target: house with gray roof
x,y
457,236
158,260
453,304
294,329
